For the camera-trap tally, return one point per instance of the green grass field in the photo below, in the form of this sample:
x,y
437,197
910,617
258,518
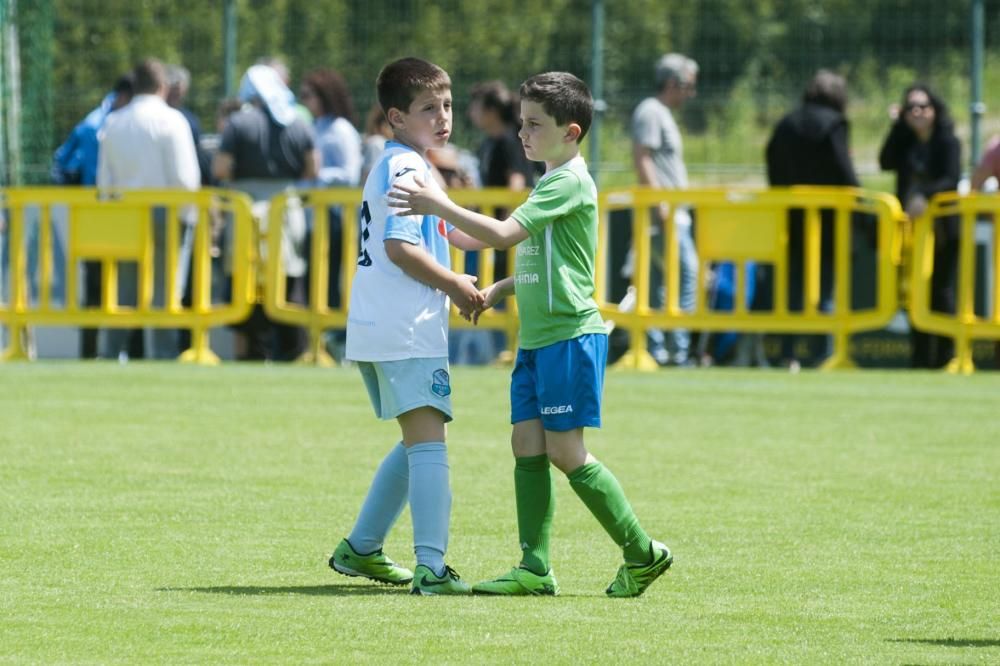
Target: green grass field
x,y
168,514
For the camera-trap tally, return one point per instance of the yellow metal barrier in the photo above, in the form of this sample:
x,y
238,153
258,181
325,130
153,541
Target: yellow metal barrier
x,y
505,318
118,226
317,316
731,226
740,226
964,326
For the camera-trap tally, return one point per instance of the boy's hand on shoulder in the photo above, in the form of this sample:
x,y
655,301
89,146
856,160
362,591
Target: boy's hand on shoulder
x,y
465,296
417,198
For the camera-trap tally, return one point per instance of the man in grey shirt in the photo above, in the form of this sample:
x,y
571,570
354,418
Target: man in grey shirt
x,y
658,152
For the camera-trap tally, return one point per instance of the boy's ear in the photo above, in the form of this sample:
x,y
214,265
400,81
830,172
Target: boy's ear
x,y
395,117
573,132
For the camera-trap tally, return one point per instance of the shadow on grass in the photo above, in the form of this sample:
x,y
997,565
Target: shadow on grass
x,y
950,642
329,591
309,590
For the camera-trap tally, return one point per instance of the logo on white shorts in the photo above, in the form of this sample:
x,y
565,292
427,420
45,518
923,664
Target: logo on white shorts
x,y
557,409
440,383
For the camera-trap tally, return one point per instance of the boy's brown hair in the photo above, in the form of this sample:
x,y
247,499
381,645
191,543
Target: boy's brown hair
x,y
562,96
401,81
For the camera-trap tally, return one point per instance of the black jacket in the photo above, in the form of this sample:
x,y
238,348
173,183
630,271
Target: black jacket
x,y
927,170
810,147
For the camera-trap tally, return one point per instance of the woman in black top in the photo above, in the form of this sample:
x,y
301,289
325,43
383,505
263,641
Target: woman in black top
x,y
926,155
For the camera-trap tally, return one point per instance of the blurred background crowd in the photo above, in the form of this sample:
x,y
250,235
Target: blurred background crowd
x,y
893,95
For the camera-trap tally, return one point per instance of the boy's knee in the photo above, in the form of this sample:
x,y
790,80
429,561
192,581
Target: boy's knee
x,y
566,452
563,462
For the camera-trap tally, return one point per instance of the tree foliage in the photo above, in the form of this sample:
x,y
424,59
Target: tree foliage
x,y
766,49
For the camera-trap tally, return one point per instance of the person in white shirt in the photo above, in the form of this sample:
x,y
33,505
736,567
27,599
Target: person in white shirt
x,y
148,145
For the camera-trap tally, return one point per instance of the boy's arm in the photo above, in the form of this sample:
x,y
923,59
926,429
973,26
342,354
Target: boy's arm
x,y
420,266
464,241
418,199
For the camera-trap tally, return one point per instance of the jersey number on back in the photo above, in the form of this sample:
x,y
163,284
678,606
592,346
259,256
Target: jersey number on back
x,y
366,219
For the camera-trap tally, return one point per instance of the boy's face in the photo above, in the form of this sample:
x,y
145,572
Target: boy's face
x,y
543,140
427,123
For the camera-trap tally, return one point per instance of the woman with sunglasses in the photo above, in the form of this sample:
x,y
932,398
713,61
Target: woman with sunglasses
x,y
926,155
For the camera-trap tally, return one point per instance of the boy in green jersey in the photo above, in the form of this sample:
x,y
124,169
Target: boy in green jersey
x,y
559,373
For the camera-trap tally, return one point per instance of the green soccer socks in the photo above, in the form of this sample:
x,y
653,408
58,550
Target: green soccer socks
x,y
600,491
534,492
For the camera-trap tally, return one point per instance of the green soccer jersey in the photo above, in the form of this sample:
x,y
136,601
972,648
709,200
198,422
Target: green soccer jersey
x,y
554,267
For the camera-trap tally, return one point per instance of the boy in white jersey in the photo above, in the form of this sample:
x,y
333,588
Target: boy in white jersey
x,y
559,374
397,332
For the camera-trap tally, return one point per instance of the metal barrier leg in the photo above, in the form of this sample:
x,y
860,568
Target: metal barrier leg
x,y
200,352
316,353
840,359
17,351
962,363
637,357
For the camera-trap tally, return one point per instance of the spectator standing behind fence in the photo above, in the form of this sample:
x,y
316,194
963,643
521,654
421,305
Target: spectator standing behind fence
x,y
75,163
809,146
493,109
377,132
925,154
179,82
266,149
277,63
658,153
325,93
989,168
148,145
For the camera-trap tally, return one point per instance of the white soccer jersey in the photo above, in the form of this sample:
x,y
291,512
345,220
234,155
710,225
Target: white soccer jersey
x,y
391,316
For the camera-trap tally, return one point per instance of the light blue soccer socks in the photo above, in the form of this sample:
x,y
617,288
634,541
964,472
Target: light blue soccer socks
x,y
430,503
600,491
386,499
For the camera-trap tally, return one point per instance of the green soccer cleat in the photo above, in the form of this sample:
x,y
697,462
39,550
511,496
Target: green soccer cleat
x,y
427,583
519,582
633,579
375,566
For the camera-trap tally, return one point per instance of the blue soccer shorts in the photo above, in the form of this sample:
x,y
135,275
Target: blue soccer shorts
x,y
561,384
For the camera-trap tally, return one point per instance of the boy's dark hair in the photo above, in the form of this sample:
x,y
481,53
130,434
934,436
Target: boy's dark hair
x,y
149,76
401,81
562,96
